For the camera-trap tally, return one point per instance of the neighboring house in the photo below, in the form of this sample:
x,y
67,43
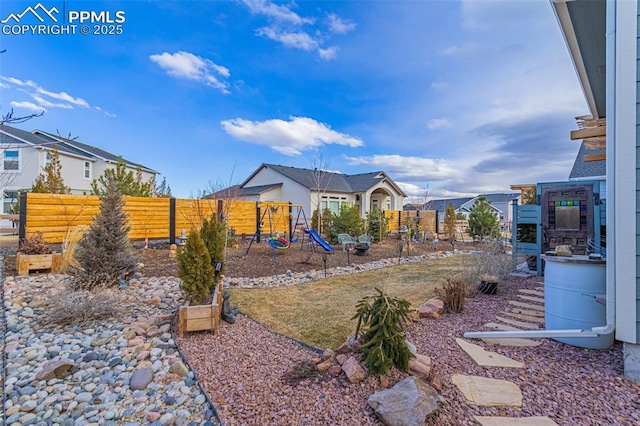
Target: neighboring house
x,y
500,202
308,188
25,154
603,40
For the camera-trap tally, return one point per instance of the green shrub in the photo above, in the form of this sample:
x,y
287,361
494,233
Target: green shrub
x,y
347,222
213,233
195,270
377,224
384,344
105,253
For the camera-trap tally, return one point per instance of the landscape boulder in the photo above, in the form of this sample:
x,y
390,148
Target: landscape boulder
x,y
420,366
410,402
433,308
141,378
56,370
354,371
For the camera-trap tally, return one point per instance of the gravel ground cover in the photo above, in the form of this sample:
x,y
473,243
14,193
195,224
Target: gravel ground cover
x,y
246,371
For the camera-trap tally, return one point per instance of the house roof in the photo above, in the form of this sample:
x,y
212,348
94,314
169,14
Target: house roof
x,y
583,25
467,202
329,181
236,190
584,169
92,150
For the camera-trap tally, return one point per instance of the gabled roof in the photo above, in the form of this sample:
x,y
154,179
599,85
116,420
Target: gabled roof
x,y
92,150
329,181
236,190
502,197
466,203
584,169
441,205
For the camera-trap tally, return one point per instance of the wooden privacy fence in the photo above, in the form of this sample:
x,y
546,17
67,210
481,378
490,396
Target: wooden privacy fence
x,y
159,218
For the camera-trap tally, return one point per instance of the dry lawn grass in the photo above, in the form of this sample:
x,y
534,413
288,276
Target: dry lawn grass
x,y
319,312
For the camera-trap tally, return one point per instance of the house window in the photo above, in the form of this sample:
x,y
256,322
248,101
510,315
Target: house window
x,y
323,205
374,204
87,170
47,159
388,203
9,201
334,206
11,160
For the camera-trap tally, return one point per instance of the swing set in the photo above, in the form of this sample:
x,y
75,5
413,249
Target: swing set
x,y
277,215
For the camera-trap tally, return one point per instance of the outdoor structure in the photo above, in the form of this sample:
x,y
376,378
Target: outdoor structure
x,y
602,37
25,154
313,188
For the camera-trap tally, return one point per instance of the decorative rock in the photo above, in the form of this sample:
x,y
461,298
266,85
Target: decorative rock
x,y
324,366
564,250
155,300
179,368
428,311
487,358
420,366
335,370
514,421
56,369
436,382
488,392
153,416
437,304
384,381
341,358
141,378
354,371
409,402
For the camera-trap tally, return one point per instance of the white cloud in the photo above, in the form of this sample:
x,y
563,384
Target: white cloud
x,y
412,190
108,114
45,103
295,39
417,169
340,26
288,137
439,123
27,105
192,67
40,95
328,53
280,13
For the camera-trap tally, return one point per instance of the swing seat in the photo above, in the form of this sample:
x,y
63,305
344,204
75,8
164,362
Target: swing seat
x,y
279,243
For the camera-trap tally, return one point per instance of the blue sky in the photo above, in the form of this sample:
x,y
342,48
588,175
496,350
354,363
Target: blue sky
x,y
450,97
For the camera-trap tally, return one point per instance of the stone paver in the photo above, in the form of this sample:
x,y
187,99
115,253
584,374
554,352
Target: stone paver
x,y
527,312
513,341
531,298
525,318
502,327
514,421
532,292
488,392
527,305
522,324
486,358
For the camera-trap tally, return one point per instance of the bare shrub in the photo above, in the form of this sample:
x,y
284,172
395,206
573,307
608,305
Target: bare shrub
x,y
454,293
490,260
34,244
80,306
69,244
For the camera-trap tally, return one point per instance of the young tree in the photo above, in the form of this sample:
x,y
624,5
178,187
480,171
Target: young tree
x,y
105,253
347,222
194,268
482,220
321,179
50,180
163,190
450,224
214,235
126,182
377,224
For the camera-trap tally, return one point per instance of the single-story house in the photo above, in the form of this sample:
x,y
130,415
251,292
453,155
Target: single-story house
x,y
25,154
602,38
312,188
500,202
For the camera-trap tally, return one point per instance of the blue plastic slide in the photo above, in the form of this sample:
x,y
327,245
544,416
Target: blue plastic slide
x,y
318,239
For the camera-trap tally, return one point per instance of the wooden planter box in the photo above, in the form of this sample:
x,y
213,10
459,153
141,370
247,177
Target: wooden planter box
x,y
26,263
200,317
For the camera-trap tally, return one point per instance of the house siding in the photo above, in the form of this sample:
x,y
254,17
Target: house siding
x,y
637,172
290,190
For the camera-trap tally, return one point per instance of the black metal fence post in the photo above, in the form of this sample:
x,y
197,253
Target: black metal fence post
x,y
172,220
22,229
258,230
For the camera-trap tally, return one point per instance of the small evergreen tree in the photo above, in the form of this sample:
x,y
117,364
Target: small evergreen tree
x,y
125,180
482,220
105,253
347,222
377,224
450,224
163,190
382,316
50,180
213,233
195,270
326,222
